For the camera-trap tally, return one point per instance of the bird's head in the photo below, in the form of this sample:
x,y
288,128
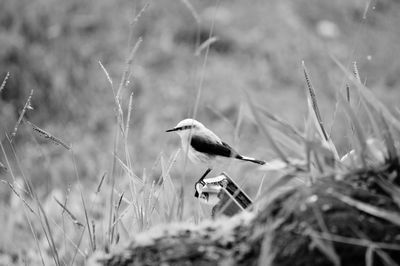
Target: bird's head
x,y
186,126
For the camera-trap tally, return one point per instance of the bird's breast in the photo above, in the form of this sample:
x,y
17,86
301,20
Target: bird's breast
x,y
198,157
193,155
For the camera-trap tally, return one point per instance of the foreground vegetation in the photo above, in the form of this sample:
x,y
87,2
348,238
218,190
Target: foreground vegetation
x,y
322,210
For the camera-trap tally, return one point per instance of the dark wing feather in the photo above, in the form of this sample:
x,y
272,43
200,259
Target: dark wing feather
x,y
205,145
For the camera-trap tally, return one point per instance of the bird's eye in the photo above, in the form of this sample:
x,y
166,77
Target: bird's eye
x,y
188,127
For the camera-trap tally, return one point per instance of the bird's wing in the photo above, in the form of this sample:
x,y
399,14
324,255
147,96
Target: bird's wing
x,y
206,145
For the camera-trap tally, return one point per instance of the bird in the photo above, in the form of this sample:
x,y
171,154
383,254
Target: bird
x,y
204,146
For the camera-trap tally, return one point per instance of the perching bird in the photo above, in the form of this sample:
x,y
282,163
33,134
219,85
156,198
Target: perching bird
x,y
204,146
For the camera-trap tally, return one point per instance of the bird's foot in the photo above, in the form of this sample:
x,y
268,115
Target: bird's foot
x,y
200,183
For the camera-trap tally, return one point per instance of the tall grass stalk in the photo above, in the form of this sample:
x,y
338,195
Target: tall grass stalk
x,y
76,249
30,189
180,207
21,116
48,234
135,20
127,126
63,216
85,210
127,72
121,128
192,10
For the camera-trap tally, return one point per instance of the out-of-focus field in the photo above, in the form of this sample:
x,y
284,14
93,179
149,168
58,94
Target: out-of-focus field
x,y
54,47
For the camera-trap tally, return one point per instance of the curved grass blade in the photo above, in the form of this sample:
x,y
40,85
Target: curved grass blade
x,y
284,126
266,131
73,217
387,215
47,135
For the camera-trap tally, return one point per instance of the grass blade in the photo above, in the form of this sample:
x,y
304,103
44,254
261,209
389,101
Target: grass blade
x,y
139,14
118,108
31,192
77,246
372,118
389,216
391,189
266,131
348,98
316,115
284,126
312,100
127,71
356,241
101,182
205,44
73,217
94,235
192,10
48,233
21,116
388,138
196,106
325,247
87,221
47,135
360,137
288,136
82,199
370,97
3,84
18,195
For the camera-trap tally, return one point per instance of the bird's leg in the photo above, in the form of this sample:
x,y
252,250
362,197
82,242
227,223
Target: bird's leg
x,y
200,181
204,175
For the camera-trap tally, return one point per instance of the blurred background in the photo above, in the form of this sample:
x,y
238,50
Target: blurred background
x,y
54,47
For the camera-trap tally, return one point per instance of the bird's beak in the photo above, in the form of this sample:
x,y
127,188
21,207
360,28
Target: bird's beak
x,y
172,129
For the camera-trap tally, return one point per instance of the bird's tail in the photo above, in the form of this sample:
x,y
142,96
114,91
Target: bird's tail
x,y
249,159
